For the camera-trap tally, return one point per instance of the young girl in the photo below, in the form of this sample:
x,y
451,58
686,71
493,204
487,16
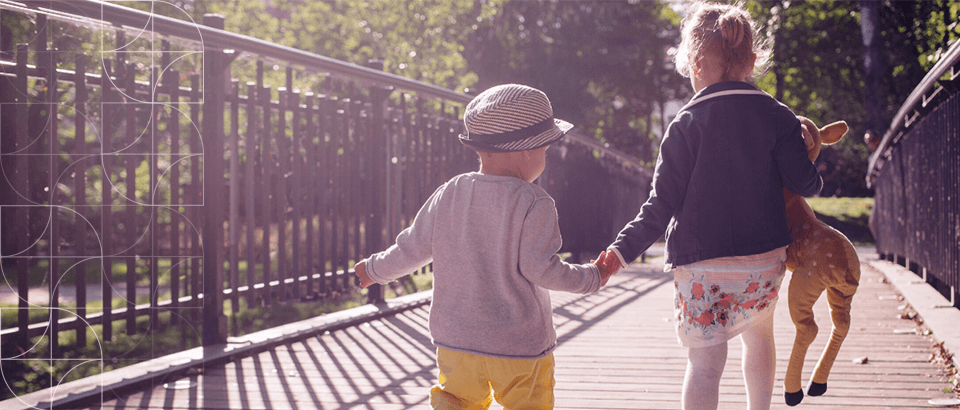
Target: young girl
x,y
718,193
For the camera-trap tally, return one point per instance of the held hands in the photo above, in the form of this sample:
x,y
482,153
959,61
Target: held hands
x,y
361,270
608,264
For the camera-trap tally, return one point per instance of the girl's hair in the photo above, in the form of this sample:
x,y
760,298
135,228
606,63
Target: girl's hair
x,y
725,32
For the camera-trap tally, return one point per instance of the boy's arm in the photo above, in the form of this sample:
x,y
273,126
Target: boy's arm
x,y
608,264
539,263
412,250
361,270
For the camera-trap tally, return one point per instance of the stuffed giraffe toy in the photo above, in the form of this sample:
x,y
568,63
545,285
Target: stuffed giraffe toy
x,y
821,259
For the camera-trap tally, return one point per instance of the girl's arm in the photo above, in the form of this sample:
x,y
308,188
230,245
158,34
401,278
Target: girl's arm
x,y
670,179
797,172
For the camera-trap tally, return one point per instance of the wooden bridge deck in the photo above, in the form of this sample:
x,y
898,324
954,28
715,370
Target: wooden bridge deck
x,y
617,351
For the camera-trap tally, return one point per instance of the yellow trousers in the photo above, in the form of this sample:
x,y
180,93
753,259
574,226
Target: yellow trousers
x,y
466,380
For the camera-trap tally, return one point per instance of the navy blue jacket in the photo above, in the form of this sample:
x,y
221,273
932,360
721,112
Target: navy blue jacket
x,y
718,184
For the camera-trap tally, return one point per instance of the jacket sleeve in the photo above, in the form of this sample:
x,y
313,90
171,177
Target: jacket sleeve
x,y
539,263
412,250
670,179
797,173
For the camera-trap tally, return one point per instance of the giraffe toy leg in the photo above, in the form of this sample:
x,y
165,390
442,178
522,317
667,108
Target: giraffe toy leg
x,y
802,294
840,298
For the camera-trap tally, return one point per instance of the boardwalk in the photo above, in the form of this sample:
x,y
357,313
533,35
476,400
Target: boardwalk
x,y
617,351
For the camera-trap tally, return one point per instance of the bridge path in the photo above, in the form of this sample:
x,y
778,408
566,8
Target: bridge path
x,y
617,350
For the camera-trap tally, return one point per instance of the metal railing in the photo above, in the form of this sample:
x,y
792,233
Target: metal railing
x,y
155,175
915,173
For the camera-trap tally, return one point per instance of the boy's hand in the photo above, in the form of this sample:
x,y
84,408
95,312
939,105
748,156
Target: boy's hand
x,y
608,265
361,270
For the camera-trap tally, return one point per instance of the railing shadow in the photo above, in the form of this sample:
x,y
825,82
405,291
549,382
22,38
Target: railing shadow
x,y
385,363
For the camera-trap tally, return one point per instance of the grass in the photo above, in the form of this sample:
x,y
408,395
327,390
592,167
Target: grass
x,y
850,216
855,210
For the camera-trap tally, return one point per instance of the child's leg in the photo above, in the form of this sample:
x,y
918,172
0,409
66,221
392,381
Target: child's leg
x,y
701,383
759,363
522,384
463,382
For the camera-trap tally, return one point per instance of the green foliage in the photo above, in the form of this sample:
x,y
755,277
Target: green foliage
x,y
818,70
604,64
423,41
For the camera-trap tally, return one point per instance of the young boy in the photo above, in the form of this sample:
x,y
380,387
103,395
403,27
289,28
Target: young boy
x,y
493,239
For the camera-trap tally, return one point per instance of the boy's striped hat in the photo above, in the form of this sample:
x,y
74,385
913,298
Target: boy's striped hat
x,y
511,117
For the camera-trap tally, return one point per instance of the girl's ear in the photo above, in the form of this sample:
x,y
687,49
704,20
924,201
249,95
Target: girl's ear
x,y
832,133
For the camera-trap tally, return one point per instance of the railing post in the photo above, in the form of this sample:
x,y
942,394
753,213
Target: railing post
x,y
21,183
214,93
379,149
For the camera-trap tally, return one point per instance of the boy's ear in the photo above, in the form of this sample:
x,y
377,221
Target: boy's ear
x,y
832,133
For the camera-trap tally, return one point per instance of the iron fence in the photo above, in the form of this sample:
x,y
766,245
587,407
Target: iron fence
x,y
915,173
143,167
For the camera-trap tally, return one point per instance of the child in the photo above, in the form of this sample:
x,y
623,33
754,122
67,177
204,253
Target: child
x,y
493,239
718,193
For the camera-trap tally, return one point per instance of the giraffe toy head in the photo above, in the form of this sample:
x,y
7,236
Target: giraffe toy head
x,y
815,137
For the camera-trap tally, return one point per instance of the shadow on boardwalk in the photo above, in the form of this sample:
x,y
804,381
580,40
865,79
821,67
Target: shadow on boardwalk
x,y
617,350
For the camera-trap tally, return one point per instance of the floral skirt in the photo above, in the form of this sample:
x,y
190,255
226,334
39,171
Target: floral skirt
x,y
718,299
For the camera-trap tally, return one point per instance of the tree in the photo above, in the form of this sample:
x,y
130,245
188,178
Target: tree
x,y
820,68
420,40
604,64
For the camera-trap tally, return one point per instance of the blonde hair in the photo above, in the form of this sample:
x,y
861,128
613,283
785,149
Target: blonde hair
x,y
726,33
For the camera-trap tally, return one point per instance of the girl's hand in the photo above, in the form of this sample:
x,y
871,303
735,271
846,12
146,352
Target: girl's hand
x,y
361,270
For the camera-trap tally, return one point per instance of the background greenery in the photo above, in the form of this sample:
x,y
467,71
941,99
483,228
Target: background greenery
x,y
607,64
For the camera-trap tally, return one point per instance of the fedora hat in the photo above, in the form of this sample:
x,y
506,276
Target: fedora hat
x,y
511,117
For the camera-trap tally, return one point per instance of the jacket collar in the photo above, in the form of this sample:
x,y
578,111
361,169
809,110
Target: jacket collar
x,y
721,89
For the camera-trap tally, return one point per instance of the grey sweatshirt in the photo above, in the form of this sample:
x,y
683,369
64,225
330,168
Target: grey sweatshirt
x,y
493,242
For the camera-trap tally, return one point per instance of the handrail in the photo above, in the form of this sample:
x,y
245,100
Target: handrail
x,y
221,39
918,97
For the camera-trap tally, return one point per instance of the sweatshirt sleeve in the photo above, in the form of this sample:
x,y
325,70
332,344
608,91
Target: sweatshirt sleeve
x,y
797,173
412,250
539,263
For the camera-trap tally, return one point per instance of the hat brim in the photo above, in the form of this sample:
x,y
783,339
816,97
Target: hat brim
x,y
559,129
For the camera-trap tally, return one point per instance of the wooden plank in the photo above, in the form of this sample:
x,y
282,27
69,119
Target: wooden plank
x,y
172,82
281,189
106,202
251,182
233,98
153,225
130,203
79,189
295,172
617,350
267,184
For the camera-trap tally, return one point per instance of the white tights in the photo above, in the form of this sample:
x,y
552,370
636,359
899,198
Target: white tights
x,y
701,383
